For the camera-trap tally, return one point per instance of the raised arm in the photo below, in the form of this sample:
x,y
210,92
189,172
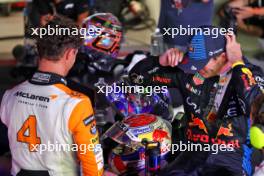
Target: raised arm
x,y
245,85
158,70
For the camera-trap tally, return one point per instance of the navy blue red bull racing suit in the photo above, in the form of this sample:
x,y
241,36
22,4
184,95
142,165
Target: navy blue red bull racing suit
x,y
229,125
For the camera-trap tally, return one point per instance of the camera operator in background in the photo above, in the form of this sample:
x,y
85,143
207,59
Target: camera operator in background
x,y
77,10
257,130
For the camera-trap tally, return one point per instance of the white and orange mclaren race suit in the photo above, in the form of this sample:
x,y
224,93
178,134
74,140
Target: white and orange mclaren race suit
x,y
51,129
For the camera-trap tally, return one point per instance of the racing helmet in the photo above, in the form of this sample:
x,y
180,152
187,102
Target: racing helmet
x,y
138,101
129,104
129,155
103,33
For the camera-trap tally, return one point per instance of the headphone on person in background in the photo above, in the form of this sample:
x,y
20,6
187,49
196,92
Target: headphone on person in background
x,y
257,129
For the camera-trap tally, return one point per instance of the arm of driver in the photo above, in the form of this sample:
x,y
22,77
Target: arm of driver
x,y
160,71
244,82
83,127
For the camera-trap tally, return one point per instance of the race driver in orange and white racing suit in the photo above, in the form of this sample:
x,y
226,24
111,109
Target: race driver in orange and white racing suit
x,y
51,128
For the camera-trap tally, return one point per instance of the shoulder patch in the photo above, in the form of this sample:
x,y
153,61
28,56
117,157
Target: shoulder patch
x,y
88,120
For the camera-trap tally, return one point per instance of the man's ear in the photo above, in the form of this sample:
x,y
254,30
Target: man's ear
x,y
69,53
224,56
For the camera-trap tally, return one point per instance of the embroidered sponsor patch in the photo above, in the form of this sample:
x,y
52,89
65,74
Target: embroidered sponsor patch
x,y
193,89
198,79
94,140
41,77
88,120
142,130
100,165
226,131
93,129
161,79
98,149
99,157
137,79
250,77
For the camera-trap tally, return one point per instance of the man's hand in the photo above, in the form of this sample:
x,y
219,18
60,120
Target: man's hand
x,y
244,12
171,57
108,173
44,19
233,49
81,18
205,1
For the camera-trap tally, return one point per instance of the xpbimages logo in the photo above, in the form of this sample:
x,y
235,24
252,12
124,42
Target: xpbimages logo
x,y
196,147
59,147
191,31
90,31
124,89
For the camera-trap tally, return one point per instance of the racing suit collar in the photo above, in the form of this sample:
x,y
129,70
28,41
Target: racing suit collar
x,y
47,78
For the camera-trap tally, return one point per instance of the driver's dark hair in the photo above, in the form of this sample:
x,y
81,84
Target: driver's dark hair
x,y
52,47
257,110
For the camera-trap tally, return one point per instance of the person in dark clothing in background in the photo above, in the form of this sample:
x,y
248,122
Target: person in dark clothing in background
x,y
185,13
249,14
5,159
249,19
77,10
